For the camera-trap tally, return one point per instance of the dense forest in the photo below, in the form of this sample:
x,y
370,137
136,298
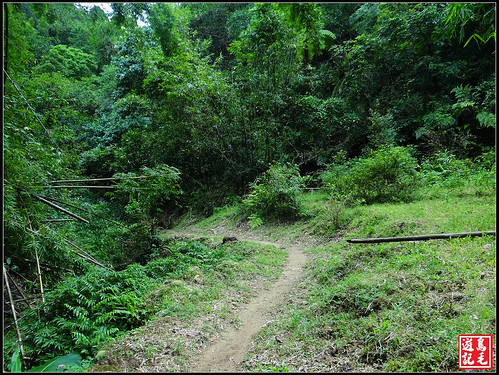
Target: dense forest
x,y
116,125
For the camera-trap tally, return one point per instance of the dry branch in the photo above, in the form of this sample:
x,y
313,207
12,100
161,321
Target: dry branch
x,y
422,237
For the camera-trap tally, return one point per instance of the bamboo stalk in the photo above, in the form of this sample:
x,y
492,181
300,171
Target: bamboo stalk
x,y
100,179
29,106
20,292
12,306
47,267
79,248
37,262
47,202
421,238
79,187
87,256
39,274
91,260
56,220
60,208
25,299
91,213
21,276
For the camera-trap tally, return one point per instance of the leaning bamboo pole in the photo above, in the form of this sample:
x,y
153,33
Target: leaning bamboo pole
x,y
56,220
14,314
91,213
79,187
99,179
422,237
18,288
88,258
86,255
47,202
37,262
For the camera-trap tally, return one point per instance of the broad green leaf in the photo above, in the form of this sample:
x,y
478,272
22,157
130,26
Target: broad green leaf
x,y
58,364
15,362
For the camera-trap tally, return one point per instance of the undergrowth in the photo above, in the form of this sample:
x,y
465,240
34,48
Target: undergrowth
x,y
385,307
81,313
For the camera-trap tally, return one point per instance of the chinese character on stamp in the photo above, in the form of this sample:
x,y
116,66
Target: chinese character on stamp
x,y
475,352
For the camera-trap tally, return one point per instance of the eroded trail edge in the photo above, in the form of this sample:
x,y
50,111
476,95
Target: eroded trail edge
x,y
228,351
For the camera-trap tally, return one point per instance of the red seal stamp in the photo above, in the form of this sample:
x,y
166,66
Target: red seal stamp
x,y
475,352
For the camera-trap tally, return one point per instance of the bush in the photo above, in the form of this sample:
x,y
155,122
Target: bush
x,y
276,194
388,174
444,169
81,312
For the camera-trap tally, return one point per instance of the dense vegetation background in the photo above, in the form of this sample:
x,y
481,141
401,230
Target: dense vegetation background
x,y
198,105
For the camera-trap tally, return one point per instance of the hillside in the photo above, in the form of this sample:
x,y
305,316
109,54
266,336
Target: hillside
x,y
362,308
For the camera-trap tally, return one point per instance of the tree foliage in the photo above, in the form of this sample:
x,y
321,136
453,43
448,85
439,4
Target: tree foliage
x,y
215,100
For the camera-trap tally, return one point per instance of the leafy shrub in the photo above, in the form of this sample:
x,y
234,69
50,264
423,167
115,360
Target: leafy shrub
x,y
388,174
444,169
82,311
275,194
328,219
69,61
145,197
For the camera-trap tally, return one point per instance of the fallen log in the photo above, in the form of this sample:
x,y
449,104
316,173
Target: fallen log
x,y
422,237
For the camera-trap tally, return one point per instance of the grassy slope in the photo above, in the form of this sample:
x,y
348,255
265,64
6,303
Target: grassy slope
x,y
384,307
193,308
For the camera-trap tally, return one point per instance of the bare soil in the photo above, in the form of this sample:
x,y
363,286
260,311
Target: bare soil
x,y
154,348
227,353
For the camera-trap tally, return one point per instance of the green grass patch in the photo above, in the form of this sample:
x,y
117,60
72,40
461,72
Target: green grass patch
x,y
198,301
390,306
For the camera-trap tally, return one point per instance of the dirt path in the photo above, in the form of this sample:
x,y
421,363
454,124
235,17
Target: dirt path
x,y
228,351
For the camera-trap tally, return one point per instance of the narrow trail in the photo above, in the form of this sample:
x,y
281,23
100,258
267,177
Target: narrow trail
x,y
228,351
